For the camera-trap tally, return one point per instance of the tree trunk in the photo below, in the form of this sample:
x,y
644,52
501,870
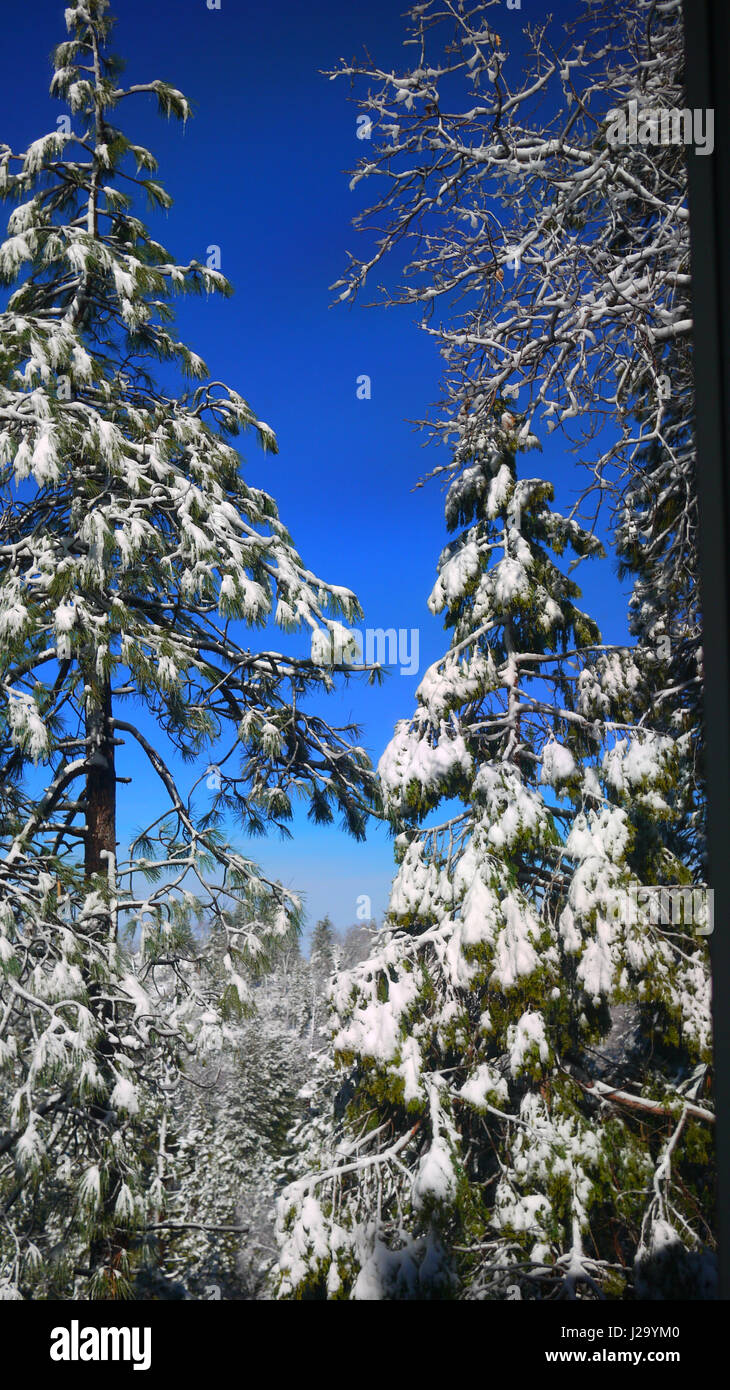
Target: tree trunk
x,y
101,788
107,1243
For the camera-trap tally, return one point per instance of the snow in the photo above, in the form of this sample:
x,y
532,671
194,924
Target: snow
x,y
558,764
515,955
480,909
375,1027
90,1187
527,1042
124,1207
499,489
124,1096
321,650
410,1069
435,1179
511,810
510,583
485,1084
450,683
455,576
595,969
523,1213
637,762
27,728
30,1149
411,758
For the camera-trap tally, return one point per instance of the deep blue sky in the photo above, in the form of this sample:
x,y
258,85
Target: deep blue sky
x,y
260,172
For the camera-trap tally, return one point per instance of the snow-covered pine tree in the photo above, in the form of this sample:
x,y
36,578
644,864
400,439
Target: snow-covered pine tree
x,y
322,955
226,1133
567,255
323,947
484,1152
456,1022
133,556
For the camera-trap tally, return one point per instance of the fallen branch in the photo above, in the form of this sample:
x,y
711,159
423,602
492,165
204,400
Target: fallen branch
x,y
654,1107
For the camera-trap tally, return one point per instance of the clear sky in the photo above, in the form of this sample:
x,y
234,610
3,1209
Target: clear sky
x,y
260,172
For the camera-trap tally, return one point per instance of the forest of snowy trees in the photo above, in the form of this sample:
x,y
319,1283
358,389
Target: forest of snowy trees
x,y
503,1091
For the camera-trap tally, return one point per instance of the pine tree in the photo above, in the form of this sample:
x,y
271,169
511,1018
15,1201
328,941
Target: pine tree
x,y
238,1124
527,1110
322,950
133,557
322,956
478,1157
229,1119
448,1022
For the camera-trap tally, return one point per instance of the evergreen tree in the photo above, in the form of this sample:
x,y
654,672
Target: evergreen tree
x,y
449,1019
229,1124
237,1124
322,955
322,950
478,1157
133,556
529,1054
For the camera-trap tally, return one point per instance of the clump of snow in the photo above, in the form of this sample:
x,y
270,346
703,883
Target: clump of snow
x,y
414,755
435,1179
558,764
485,1083
527,1042
124,1096
456,575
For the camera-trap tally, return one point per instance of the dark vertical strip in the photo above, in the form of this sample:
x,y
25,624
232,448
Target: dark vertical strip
x,y
707,28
